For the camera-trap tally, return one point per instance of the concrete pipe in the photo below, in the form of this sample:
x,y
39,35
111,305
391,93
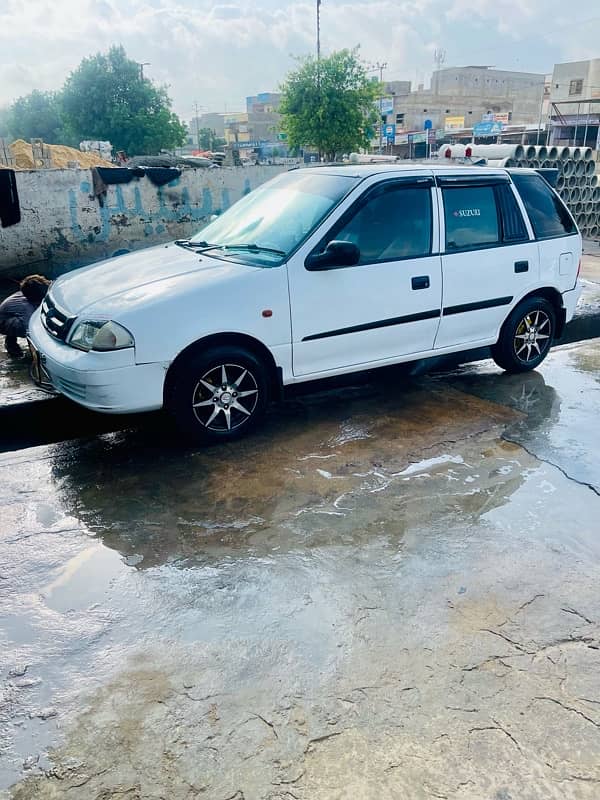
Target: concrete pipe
x,y
575,153
586,193
588,207
594,232
541,152
563,153
445,151
547,164
590,168
560,183
569,167
530,151
534,163
553,153
514,151
596,194
575,195
572,181
587,153
564,194
594,181
580,169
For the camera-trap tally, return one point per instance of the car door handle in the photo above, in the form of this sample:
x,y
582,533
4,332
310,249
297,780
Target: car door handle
x,y
420,282
521,266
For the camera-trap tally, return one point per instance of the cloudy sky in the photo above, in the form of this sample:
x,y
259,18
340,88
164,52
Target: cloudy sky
x,y
216,53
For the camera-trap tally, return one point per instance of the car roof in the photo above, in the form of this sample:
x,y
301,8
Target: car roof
x,y
368,170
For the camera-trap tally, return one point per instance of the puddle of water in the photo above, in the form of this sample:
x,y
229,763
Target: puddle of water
x,y
84,580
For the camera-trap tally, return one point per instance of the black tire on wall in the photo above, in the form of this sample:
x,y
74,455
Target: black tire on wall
x,y
526,336
219,394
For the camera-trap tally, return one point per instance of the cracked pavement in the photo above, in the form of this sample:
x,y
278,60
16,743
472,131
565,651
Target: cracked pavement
x,y
388,592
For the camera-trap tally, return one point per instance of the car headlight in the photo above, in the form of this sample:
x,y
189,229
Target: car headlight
x,y
92,334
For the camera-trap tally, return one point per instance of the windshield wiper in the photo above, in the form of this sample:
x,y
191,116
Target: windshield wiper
x,y
251,248
193,245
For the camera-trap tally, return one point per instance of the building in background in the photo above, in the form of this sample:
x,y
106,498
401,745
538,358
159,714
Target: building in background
x,y
265,102
574,115
470,93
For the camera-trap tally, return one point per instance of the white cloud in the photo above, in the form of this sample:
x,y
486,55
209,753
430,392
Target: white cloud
x,y
217,53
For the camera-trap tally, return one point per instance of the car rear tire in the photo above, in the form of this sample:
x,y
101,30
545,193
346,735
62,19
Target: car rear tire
x,y
219,394
526,336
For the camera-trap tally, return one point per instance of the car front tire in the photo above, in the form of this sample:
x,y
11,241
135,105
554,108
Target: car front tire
x,y
526,336
219,394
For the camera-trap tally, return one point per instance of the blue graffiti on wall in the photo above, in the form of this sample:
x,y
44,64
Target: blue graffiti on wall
x,y
123,208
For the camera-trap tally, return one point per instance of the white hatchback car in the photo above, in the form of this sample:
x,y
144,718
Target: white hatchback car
x,y
319,272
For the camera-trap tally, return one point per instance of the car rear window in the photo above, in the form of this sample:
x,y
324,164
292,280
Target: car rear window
x,y
548,214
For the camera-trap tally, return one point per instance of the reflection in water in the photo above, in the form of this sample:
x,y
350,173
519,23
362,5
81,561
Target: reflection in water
x,y
326,470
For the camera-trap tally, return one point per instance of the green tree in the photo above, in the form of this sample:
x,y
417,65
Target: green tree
x,y
4,119
209,139
329,104
37,115
106,97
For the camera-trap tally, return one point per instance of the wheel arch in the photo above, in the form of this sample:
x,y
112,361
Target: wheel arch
x,y
244,340
553,296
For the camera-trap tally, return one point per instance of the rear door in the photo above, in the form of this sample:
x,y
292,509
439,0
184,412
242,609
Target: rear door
x,y
488,257
558,239
387,305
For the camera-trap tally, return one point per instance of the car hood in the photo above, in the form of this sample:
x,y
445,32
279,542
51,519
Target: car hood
x,y
115,277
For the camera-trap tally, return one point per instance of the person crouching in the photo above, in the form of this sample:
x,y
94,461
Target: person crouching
x,y
16,311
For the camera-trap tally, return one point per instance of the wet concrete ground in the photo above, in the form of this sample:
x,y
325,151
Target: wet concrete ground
x,y
391,591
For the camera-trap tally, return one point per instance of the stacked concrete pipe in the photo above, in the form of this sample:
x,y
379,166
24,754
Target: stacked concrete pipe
x,y
577,181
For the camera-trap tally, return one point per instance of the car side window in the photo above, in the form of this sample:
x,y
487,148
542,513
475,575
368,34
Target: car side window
x,y
513,224
471,217
394,222
548,214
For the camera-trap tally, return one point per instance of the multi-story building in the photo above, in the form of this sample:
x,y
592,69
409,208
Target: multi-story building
x,y
265,102
575,103
461,96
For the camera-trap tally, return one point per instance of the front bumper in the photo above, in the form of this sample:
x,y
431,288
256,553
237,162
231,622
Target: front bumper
x,y
111,383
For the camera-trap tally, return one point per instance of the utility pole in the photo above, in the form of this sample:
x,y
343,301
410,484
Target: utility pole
x,y
318,30
319,62
539,129
141,65
381,67
197,108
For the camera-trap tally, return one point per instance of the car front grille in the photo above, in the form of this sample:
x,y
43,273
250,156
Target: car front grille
x,y
56,322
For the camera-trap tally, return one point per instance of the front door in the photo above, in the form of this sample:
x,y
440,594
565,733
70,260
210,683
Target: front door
x,y
388,305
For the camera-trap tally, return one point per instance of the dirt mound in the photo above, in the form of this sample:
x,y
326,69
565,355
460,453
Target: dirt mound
x,y
60,156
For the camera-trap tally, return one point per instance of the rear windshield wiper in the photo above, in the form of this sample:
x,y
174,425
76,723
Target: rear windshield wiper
x,y
251,248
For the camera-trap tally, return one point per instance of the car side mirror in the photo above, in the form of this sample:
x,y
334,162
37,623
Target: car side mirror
x,y
336,254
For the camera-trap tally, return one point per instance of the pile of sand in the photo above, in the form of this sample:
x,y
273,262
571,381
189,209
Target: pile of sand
x,y
60,156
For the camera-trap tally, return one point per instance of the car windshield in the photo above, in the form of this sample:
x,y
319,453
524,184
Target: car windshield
x,y
267,225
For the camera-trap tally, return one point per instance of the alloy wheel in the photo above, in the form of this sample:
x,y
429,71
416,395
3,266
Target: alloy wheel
x,y
532,336
225,397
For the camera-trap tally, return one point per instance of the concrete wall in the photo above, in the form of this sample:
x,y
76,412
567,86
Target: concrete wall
x,y
63,225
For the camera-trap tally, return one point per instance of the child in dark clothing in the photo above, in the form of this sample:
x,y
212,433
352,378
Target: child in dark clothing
x,y
16,311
